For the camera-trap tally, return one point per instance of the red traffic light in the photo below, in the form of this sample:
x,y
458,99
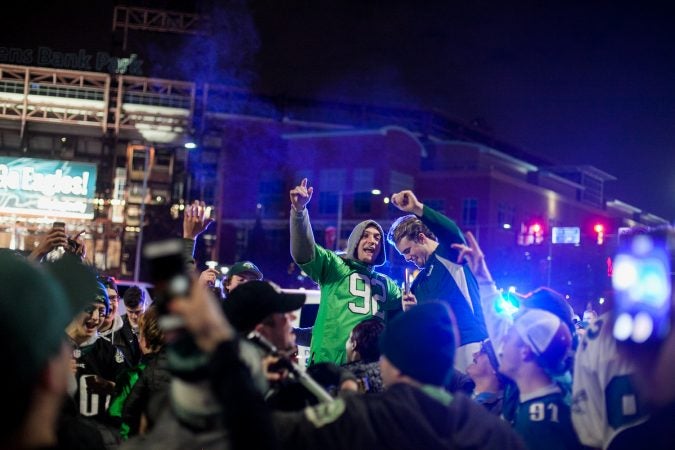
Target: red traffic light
x,y
599,228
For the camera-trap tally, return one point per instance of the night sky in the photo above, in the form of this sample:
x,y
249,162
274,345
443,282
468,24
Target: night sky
x,y
589,82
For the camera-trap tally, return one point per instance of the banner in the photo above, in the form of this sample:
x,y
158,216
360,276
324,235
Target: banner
x,y
43,187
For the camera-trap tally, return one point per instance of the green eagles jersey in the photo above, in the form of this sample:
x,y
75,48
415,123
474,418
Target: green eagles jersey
x,y
545,423
350,292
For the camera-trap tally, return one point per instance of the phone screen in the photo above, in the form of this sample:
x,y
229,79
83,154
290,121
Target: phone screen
x,y
408,280
642,290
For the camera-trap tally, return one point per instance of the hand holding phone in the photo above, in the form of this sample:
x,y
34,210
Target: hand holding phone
x,y
407,280
641,278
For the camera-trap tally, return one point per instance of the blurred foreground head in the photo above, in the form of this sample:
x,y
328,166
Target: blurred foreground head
x,y
37,302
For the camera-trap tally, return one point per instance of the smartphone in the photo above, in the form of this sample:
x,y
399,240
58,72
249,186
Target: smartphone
x,y
169,276
61,225
642,284
407,281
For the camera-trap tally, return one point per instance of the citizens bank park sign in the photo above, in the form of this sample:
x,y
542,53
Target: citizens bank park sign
x,y
41,187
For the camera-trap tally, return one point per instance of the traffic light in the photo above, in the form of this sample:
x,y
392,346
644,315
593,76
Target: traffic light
x,y
531,233
599,232
537,232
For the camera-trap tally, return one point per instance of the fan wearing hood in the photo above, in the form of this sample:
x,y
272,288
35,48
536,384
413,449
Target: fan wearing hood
x,y
351,289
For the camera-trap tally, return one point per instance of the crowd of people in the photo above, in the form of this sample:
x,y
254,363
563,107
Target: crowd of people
x,y
441,364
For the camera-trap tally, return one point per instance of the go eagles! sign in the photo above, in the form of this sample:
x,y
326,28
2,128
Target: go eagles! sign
x,y
44,187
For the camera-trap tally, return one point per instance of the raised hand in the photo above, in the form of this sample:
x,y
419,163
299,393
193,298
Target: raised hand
x,y
407,202
474,257
55,238
79,249
408,302
301,195
208,277
194,220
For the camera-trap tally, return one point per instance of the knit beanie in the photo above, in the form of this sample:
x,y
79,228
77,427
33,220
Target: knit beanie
x,y
421,343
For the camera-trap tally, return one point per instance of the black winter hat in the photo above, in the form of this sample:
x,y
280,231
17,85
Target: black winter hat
x,y
249,303
421,343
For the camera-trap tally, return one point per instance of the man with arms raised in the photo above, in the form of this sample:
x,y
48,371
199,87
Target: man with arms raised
x,y
351,289
426,239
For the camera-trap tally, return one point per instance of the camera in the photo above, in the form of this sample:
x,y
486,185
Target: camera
x,y
167,270
642,284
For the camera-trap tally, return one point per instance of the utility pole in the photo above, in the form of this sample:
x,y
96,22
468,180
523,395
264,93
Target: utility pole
x,y
139,242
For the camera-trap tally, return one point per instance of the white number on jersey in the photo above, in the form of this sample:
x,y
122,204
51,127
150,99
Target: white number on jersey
x,y
90,401
361,287
538,412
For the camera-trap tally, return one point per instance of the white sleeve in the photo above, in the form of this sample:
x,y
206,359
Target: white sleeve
x,y
588,397
497,323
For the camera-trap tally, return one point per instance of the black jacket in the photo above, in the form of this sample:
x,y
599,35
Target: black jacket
x,y
152,386
127,341
402,417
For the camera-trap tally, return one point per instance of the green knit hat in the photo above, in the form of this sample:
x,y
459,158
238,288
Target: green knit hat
x,y
37,301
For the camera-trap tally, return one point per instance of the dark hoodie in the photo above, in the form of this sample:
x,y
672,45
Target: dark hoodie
x,y
403,417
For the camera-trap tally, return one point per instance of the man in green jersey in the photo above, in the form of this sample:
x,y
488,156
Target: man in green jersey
x,y
351,289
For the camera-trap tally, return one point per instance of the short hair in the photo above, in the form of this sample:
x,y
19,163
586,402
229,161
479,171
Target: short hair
x,y
108,282
148,327
366,335
409,226
133,297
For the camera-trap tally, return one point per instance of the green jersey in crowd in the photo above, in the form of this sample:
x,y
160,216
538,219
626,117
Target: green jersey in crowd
x,y
351,291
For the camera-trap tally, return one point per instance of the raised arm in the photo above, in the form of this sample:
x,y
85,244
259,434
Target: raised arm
x,y
445,229
195,223
302,237
496,320
55,238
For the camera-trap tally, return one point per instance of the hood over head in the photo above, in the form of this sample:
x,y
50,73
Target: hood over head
x,y
355,237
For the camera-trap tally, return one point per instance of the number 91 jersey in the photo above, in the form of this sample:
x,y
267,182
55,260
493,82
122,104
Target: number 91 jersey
x,y
544,422
350,292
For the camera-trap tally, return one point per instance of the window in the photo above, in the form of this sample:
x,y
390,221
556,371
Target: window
x,y
469,212
328,202
399,181
436,204
505,214
331,183
271,194
362,202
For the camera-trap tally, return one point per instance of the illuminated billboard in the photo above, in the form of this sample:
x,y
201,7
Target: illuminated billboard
x,y
43,187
